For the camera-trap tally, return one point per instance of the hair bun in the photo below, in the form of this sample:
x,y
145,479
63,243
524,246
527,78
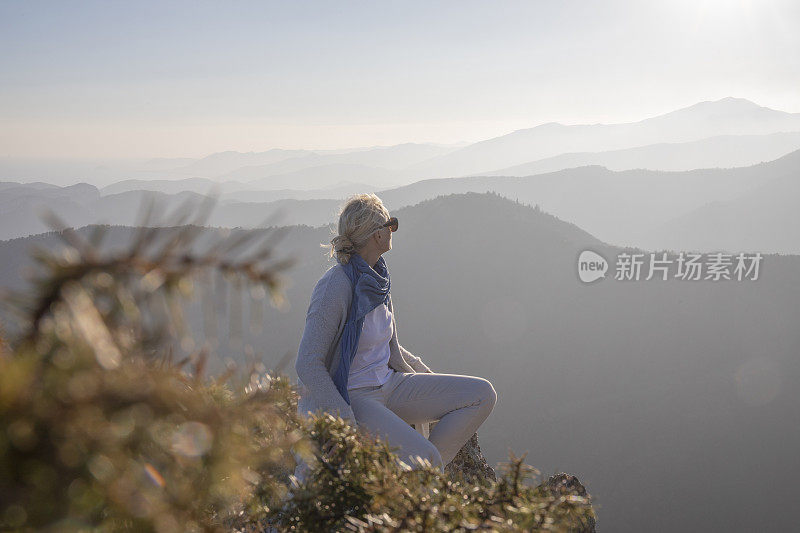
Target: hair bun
x,y
343,244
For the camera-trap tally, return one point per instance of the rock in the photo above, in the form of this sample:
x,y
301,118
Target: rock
x,y
469,465
563,484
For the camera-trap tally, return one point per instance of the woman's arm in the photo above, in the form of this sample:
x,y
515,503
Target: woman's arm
x,y
411,360
414,361
322,324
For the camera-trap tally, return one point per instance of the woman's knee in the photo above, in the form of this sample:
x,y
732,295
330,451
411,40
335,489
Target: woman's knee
x,y
488,394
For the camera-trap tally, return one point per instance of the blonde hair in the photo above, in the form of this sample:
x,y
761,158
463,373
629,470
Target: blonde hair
x,y
359,217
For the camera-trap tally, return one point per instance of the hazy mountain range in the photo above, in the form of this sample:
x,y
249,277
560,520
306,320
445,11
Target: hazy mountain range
x,y
255,170
671,400
635,207
713,126
728,116
628,208
765,218
723,151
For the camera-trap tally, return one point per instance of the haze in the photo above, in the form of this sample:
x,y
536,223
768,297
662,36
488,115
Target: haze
x,y
186,79
507,138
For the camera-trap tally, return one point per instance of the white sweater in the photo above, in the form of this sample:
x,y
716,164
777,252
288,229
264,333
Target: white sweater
x,y
320,347
370,366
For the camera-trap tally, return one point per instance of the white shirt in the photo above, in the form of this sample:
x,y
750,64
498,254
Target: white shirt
x,y
370,365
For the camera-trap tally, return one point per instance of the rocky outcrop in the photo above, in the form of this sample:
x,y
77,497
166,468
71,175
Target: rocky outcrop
x,y
470,466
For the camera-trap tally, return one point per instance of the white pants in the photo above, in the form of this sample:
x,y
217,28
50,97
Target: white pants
x,y
459,403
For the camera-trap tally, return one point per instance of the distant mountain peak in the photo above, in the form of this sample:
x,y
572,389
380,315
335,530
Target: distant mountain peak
x,y
732,102
545,126
735,99
729,104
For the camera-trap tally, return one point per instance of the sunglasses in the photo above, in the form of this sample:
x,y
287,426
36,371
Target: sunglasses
x,y
391,223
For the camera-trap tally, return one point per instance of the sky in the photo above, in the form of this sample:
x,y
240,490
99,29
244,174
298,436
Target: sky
x,y
185,79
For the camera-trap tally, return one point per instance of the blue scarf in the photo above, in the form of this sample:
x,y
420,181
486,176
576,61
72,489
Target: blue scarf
x,y
370,289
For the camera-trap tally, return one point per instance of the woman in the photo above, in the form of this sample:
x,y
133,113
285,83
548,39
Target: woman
x,y
350,362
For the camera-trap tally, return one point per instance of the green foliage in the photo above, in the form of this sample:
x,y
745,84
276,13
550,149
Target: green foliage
x,y
100,430
357,483
134,447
